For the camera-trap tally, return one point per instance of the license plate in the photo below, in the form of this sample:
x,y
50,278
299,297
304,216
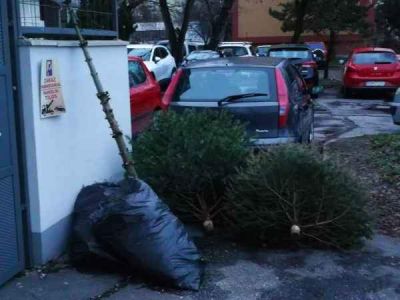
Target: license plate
x,y
375,83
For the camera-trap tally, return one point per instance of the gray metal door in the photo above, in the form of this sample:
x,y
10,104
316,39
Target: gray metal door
x,y
11,254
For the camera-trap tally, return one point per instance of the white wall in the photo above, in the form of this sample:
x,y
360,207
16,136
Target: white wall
x,y
67,152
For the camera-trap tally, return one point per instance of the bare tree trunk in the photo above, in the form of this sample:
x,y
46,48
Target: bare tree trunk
x,y
300,10
125,18
219,24
104,98
331,52
176,39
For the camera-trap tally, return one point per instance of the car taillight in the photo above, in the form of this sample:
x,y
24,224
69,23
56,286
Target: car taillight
x,y
283,99
350,68
169,93
309,64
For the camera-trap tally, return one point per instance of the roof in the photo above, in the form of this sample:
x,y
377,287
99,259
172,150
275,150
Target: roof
x,y
250,61
280,46
141,46
234,44
204,51
372,49
134,58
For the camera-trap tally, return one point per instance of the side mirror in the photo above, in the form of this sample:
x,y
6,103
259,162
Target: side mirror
x,y
157,59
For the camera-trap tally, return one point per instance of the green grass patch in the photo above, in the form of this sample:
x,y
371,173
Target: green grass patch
x,y
385,155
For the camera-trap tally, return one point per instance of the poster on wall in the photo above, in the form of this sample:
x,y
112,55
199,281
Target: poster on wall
x,y
51,96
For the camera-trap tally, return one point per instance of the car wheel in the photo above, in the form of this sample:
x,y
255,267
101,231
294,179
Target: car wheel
x,y
308,136
311,134
346,93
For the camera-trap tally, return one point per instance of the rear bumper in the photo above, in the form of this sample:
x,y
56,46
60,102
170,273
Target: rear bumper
x,y
360,83
272,141
375,89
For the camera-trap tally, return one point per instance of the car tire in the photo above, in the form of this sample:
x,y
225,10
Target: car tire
x,y
346,93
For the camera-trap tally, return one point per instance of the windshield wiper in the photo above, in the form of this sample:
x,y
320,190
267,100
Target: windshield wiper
x,y
383,63
233,98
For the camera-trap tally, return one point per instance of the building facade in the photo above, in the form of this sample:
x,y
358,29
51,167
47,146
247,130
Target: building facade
x,y
252,22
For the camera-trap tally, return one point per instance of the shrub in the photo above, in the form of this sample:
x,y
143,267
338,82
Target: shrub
x,y
290,194
188,157
385,155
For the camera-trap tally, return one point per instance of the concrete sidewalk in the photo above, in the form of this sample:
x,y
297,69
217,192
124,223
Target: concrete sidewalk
x,y
235,273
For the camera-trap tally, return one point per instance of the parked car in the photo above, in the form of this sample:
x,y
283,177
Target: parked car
x,y
188,46
157,59
395,108
268,94
229,49
319,51
371,69
302,57
262,50
145,94
200,55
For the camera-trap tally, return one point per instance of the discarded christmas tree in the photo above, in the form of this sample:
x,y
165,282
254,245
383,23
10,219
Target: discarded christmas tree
x,y
188,158
288,195
104,98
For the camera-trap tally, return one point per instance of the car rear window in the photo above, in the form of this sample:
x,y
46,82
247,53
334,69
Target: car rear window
x,y
234,50
291,53
202,55
136,74
371,58
213,84
143,53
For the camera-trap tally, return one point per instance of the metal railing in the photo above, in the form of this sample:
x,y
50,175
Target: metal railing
x,y
42,18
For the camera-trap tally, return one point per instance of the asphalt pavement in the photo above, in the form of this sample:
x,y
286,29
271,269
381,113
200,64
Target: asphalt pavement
x,y
338,118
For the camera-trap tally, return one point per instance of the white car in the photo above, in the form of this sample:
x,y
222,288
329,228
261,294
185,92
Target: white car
x,y
236,49
157,59
188,46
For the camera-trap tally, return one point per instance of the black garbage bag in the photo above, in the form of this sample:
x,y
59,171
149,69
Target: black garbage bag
x,y
141,230
126,227
90,206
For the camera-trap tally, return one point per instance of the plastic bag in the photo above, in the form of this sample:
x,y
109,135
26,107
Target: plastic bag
x,y
89,207
141,230
128,225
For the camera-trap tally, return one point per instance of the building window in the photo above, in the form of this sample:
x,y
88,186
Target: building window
x,y
41,17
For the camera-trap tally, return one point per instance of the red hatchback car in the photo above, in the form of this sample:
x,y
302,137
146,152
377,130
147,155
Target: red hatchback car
x,y
145,94
371,69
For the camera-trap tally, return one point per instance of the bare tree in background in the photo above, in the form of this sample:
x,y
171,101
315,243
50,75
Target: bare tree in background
x,y
213,17
176,36
126,19
219,23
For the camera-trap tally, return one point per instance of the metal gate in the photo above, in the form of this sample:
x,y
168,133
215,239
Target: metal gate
x,y
11,254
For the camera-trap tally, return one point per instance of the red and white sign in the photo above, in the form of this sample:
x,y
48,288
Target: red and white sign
x,y
51,96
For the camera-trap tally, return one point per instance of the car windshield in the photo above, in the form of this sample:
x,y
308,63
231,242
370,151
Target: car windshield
x,y
233,51
214,84
143,53
263,50
290,53
136,74
202,55
316,45
370,58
